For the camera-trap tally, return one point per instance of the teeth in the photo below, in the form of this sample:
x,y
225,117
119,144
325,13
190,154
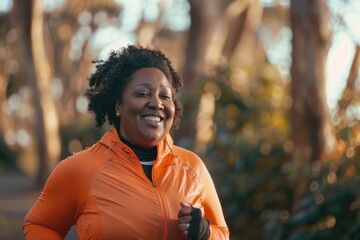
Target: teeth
x,y
153,118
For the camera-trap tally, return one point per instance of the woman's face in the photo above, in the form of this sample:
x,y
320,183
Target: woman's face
x,y
147,108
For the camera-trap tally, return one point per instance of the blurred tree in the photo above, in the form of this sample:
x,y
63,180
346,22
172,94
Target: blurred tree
x,y
4,58
70,28
39,77
311,130
220,30
203,17
7,154
349,91
253,161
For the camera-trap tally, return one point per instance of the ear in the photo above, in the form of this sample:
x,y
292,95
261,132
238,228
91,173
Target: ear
x,y
118,109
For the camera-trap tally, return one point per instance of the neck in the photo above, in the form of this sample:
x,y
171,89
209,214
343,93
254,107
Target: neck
x,y
144,154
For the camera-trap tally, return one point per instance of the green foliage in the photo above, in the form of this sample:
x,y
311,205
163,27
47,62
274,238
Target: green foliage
x,y
264,194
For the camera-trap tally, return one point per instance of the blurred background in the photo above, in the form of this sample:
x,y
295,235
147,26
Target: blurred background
x,y
271,102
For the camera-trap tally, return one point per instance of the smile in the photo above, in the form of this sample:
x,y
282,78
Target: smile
x,y
156,119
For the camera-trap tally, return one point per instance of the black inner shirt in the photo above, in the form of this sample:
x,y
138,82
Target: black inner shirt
x,y
147,156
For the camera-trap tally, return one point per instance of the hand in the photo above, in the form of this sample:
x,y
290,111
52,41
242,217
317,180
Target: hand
x,y
184,217
191,222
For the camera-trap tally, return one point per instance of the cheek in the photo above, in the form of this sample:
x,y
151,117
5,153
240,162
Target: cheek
x,y
134,107
171,111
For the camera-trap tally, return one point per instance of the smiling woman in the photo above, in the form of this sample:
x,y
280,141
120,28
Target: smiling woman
x,y
134,182
146,108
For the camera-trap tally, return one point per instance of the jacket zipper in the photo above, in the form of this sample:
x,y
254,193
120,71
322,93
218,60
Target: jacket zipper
x,y
159,195
162,201
163,209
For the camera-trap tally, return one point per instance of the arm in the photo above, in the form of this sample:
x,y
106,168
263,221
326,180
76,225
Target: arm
x,y
212,208
210,225
56,210
34,231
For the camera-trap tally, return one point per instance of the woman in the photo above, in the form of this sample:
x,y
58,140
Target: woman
x,y
133,183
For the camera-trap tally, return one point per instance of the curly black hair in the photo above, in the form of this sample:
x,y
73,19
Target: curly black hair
x,y
107,83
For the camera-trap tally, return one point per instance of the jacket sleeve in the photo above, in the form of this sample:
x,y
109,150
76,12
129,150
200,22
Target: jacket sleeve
x,y
57,207
212,208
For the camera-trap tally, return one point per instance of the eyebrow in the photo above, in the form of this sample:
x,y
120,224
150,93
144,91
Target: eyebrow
x,y
149,85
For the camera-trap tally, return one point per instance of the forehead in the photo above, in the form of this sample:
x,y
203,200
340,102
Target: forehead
x,y
149,76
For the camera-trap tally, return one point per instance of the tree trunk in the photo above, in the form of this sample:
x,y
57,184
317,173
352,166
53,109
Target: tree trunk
x,y
236,16
198,39
215,32
39,77
311,131
348,92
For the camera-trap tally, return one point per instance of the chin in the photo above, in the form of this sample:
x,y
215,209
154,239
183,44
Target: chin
x,y
152,141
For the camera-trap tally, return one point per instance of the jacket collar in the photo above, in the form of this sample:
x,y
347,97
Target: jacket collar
x,y
111,139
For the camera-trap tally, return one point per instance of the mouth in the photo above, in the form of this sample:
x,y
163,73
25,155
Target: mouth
x,y
153,118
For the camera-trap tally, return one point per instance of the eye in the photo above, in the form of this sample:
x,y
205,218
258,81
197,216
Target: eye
x,y
166,96
142,94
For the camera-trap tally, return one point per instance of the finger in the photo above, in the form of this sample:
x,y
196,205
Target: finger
x,y
184,226
186,209
185,233
185,219
185,204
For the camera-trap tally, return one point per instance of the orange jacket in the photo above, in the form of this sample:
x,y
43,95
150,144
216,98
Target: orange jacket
x,y
104,191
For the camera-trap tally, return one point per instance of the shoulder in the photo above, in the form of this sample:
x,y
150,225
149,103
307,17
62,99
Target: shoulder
x,y
82,163
72,176
183,152
189,158
94,153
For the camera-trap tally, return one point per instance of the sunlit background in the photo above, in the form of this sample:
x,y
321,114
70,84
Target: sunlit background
x,y
177,19
243,130
121,32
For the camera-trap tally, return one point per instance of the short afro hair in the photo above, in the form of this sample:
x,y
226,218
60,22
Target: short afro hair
x,y
107,83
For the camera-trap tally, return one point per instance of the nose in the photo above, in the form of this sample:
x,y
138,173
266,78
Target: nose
x,y
156,103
